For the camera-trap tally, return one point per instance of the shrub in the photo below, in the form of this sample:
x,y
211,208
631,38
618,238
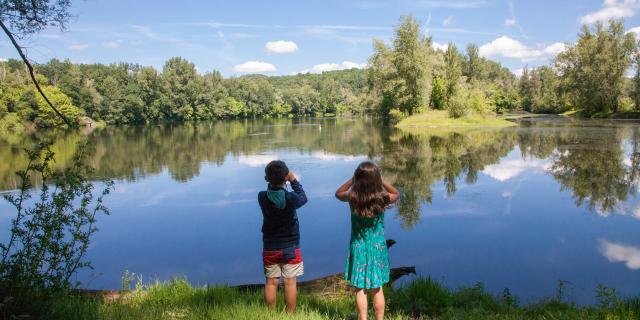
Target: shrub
x,y
396,115
479,103
458,106
10,123
48,241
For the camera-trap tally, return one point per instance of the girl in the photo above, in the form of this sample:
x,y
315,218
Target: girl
x,y
368,260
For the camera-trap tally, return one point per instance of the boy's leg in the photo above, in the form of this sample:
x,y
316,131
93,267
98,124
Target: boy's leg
x,y
361,303
272,274
290,272
290,294
378,302
270,291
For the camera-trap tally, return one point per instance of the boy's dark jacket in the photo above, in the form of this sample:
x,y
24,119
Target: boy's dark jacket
x,y
280,227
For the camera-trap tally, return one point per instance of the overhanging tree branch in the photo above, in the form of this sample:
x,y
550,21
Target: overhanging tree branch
x,y
31,73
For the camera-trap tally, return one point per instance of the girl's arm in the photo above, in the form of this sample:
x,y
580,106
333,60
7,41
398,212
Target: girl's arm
x,y
393,192
343,192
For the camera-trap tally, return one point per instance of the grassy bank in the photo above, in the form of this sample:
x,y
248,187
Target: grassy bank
x,y
421,299
623,115
440,119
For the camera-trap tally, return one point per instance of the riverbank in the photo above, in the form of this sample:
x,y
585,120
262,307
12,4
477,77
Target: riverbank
x,y
626,115
419,299
441,119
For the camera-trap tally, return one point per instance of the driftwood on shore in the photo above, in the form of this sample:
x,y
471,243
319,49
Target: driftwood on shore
x,y
335,284
329,286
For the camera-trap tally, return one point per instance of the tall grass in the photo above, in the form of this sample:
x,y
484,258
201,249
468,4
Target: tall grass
x,y
419,299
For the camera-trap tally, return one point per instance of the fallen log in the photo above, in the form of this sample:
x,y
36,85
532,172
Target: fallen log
x,y
334,285
329,286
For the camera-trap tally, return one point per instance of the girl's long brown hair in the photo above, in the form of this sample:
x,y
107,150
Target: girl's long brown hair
x,y
367,197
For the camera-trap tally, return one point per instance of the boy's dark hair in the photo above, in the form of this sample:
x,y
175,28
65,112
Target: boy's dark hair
x,y
275,172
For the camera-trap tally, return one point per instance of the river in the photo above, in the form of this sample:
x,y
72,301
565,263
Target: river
x,y
518,208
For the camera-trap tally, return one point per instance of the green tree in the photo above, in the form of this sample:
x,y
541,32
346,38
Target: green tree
x,y
382,76
46,117
473,63
592,70
413,70
180,89
636,76
452,72
439,93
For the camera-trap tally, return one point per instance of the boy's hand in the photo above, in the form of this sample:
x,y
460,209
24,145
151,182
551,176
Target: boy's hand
x,y
290,176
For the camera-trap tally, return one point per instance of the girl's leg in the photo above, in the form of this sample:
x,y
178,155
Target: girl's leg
x,y
361,304
270,291
378,302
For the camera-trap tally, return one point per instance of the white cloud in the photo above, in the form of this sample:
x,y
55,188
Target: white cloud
x,y
281,46
254,67
447,21
616,252
112,44
257,160
636,213
505,170
80,46
555,48
510,22
320,68
635,30
3,60
440,46
327,156
511,48
612,9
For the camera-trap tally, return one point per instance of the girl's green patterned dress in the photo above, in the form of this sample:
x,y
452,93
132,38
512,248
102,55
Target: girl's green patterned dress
x,y
368,260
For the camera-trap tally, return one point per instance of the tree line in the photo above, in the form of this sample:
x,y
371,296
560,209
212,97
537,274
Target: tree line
x,y
591,75
404,77
127,93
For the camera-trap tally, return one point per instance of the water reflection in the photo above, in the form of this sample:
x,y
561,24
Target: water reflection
x,y
506,207
599,165
618,252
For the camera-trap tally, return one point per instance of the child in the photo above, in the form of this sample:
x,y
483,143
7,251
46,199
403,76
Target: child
x,y
280,233
368,260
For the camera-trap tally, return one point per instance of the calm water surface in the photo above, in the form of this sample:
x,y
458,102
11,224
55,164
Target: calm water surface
x,y
520,207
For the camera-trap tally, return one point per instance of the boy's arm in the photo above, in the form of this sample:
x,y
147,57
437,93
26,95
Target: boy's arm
x,y
298,195
261,200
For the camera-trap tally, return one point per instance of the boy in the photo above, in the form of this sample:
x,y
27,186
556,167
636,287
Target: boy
x,y
280,233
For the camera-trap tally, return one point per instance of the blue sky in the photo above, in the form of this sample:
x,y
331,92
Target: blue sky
x,y
285,37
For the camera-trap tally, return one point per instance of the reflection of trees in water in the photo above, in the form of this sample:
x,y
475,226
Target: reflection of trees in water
x,y
592,166
132,152
415,162
588,161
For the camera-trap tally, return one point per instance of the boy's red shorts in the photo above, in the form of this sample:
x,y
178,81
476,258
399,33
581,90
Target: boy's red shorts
x,y
276,265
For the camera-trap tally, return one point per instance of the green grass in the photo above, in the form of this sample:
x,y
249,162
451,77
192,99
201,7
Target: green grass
x,y
420,299
621,115
440,119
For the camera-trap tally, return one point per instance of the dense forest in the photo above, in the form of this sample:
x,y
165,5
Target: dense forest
x,y
403,77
